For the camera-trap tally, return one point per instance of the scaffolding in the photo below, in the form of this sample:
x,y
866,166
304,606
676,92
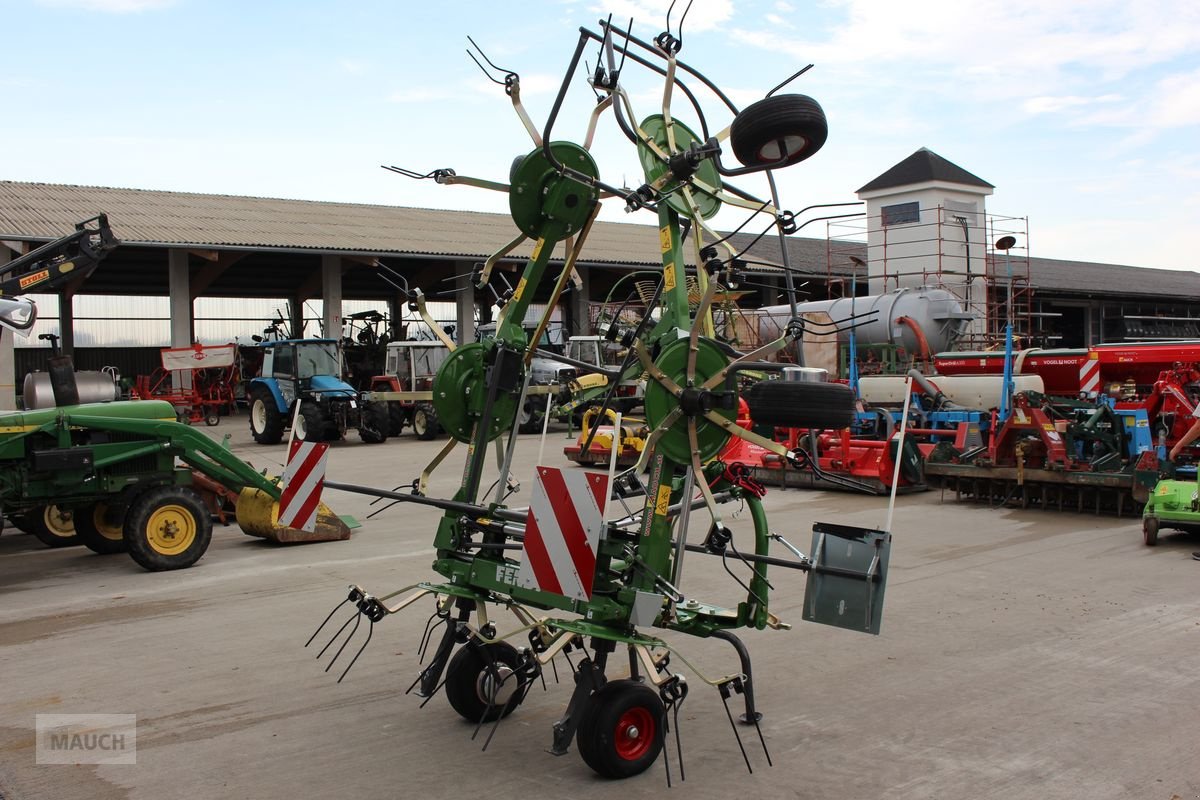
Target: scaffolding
x,y
945,248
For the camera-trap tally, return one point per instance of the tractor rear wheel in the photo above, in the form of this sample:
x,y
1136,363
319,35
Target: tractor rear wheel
x,y
396,417
53,526
99,529
425,422
168,527
622,729
266,423
375,422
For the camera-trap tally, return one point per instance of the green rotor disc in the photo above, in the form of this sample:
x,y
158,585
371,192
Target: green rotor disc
x,y
711,438
538,196
459,390
654,168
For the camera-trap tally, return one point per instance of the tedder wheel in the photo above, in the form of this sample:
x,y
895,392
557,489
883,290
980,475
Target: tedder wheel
x,y
783,129
396,417
425,422
168,527
53,526
1150,531
266,423
478,693
99,530
376,421
310,423
622,729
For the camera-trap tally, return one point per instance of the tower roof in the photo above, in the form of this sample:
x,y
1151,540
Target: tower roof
x,y
921,167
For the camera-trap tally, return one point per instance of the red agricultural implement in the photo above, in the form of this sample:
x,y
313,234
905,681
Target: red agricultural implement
x,y
198,381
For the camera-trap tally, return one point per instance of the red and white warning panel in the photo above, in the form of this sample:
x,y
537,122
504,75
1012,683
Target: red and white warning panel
x,y
303,480
1089,374
563,531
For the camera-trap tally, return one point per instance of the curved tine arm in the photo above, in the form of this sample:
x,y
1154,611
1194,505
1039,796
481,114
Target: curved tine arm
x,y
736,200
698,469
754,355
668,122
642,136
694,335
652,441
519,107
742,433
428,319
495,257
423,481
654,372
478,183
563,276
600,108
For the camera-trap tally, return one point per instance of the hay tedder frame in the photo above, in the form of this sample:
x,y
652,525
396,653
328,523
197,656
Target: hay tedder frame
x,y
577,578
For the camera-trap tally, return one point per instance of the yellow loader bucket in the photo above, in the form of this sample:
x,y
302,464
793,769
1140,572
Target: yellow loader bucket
x,y
258,515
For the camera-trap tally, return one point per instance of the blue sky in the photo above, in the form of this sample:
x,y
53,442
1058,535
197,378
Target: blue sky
x,y
1085,115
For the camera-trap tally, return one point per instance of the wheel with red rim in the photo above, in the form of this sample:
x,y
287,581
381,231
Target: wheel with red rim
x,y
621,732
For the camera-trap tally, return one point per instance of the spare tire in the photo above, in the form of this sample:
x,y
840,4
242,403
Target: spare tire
x,y
778,131
796,404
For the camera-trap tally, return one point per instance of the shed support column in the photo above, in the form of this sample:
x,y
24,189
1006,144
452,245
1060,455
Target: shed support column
x,y
465,322
182,329
578,306
8,361
331,294
66,323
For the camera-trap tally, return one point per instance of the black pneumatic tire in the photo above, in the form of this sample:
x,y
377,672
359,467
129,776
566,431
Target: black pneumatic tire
x,y
266,423
607,740
168,527
376,421
530,417
787,404
99,529
1150,531
425,422
396,417
468,682
778,131
312,423
53,526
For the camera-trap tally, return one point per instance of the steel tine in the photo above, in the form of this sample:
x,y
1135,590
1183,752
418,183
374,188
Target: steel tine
x,y
763,742
338,654
323,624
432,694
678,745
370,633
339,633
725,702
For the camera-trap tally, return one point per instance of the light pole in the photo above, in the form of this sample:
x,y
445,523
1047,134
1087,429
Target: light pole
x,y
1003,244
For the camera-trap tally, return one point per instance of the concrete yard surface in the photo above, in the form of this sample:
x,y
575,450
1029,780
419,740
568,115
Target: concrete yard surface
x,y
1024,655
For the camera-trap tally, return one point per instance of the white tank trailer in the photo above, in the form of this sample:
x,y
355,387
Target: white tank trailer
x,y
897,317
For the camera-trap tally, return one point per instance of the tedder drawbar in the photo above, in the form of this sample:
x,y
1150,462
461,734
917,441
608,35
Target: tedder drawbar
x,y
576,578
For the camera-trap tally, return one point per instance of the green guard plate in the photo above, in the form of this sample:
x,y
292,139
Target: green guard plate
x,y
538,195
656,127
459,390
659,402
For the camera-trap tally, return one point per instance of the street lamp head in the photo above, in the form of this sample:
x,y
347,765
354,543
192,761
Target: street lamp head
x,y
1005,242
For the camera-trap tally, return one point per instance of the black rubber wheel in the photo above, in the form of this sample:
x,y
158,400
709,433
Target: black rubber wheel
x,y
479,693
168,527
376,420
622,729
425,422
778,131
212,418
397,416
53,526
99,529
788,404
1150,531
311,423
530,417
266,423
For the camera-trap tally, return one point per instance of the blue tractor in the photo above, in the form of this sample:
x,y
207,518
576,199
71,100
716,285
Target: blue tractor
x,y
309,371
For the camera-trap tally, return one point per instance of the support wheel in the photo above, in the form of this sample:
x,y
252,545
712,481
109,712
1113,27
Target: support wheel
x,y
376,420
621,732
168,527
266,423
99,529
778,131
53,526
212,419
478,692
1150,531
310,424
425,422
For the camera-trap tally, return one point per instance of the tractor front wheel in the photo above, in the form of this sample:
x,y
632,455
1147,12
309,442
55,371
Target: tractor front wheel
x,y
375,423
310,423
425,422
168,527
1150,531
621,732
266,423
53,526
99,530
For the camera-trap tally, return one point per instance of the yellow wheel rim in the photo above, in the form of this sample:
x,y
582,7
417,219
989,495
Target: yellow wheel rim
x,y
59,521
100,521
171,530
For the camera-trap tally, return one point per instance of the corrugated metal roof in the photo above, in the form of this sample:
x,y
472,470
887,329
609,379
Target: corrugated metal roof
x,y
46,211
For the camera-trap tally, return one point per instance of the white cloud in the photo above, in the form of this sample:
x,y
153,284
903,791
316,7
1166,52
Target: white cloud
x,y
110,6
418,95
704,15
1050,105
1176,101
352,66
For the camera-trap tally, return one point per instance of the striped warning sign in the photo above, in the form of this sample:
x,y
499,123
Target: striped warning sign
x,y
563,531
1089,374
303,480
